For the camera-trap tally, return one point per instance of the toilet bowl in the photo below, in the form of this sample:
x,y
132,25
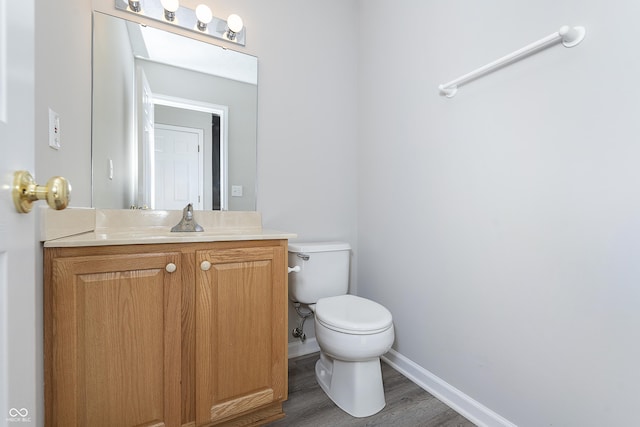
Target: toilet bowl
x,y
351,343
352,332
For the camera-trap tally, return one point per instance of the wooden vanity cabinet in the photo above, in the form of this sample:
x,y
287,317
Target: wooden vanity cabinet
x,y
189,334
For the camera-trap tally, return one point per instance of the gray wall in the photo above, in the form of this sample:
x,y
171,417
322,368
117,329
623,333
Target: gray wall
x,y
63,83
502,227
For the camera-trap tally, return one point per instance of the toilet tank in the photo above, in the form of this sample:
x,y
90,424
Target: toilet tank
x,y
324,270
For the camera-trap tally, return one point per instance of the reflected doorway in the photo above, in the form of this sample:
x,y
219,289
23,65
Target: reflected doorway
x,y
178,167
212,173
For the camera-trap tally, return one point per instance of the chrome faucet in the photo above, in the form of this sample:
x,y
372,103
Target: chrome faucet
x,y
187,223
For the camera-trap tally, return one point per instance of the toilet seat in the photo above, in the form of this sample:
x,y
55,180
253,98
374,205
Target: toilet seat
x,y
351,314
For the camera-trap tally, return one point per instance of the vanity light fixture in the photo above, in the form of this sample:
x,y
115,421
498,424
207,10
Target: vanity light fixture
x,y
204,15
170,7
200,19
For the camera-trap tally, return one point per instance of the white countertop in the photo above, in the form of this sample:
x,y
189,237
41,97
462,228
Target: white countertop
x,y
147,237
135,227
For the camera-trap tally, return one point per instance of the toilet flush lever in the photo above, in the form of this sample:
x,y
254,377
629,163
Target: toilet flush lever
x,y
295,269
304,257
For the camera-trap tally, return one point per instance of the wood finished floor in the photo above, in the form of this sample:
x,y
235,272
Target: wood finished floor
x,y
407,404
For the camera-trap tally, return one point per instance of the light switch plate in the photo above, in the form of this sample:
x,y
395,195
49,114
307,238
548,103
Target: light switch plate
x,y
236,190
54,130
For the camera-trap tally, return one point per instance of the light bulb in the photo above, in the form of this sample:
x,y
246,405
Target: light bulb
x,y
204,15
170,7
234,22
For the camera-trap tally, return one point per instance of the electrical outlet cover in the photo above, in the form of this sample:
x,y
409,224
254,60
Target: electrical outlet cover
x,y
236,191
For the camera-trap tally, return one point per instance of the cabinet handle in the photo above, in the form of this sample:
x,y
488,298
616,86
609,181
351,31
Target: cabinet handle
x,y
205,265
171,267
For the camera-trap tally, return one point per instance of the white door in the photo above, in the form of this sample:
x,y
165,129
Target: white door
x,y
20,392
178,167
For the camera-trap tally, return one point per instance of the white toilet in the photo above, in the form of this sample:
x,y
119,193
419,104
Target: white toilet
x,y
352,332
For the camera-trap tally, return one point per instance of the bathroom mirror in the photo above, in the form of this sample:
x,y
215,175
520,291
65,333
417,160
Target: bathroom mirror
x,y
174,120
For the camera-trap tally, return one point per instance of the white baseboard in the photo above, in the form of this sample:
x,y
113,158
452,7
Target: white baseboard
x,y
299,348
454,398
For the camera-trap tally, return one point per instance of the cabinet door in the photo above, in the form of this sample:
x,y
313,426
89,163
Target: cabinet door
x,y
114,353
241,351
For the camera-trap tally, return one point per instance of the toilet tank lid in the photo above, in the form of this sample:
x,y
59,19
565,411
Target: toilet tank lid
x,y
310,247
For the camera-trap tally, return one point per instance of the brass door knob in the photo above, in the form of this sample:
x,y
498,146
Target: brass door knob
x,y
26,191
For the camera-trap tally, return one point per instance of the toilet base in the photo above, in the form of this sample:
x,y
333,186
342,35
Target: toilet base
x,y
356,387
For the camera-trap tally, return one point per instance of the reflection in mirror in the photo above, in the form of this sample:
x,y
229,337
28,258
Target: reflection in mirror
x,y
174,120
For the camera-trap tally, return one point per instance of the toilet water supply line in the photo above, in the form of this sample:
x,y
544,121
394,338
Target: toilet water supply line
x,y
299,331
